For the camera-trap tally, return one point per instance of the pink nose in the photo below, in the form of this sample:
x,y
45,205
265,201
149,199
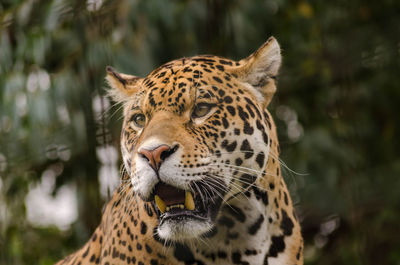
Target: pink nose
x,y
156,156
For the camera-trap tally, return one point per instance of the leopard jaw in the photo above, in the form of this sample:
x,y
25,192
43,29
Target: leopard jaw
x,y
189,203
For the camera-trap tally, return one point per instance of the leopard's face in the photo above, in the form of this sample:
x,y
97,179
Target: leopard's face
x,y
194,136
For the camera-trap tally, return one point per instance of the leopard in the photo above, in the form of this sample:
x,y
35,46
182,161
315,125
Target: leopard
x,y
201,180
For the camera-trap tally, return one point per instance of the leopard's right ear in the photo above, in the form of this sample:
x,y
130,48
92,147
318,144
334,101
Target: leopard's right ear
x,y
122,86
260,70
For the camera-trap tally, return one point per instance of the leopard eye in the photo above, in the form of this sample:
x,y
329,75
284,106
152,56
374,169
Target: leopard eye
x,y
201,109
139,120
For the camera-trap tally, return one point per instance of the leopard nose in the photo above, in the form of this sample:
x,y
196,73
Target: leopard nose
x,y
157,155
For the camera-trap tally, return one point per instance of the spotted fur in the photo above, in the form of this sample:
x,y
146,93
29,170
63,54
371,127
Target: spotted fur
x,y
233,148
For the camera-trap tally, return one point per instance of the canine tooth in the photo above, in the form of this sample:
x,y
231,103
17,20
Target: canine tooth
x,y
160,204
181,206
168,208
189,202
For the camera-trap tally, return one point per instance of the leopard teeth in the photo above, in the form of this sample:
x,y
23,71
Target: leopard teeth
x,y
160,204
180,206
189,202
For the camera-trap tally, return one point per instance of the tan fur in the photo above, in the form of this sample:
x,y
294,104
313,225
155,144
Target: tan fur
x,y
126,234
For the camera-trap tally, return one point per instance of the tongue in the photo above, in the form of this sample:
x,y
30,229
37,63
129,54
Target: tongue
x,y
169,194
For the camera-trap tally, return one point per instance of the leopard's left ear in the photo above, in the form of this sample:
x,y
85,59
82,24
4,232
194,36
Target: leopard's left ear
x,y
122,86
260,70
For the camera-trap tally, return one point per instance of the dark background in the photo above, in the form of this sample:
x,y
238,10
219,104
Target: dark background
x,y
337,111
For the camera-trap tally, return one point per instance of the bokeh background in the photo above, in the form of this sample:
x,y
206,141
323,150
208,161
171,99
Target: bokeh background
x,y
337,110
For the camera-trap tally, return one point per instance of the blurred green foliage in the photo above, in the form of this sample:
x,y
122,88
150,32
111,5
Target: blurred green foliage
x,y
337,109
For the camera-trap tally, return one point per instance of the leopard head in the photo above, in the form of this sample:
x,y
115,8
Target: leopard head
x,y
195,134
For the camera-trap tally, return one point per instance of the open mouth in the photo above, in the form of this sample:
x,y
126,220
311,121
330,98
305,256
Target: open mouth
x,y
177,204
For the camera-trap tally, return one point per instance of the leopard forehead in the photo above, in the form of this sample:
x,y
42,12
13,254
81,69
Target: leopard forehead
x,y
174,86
